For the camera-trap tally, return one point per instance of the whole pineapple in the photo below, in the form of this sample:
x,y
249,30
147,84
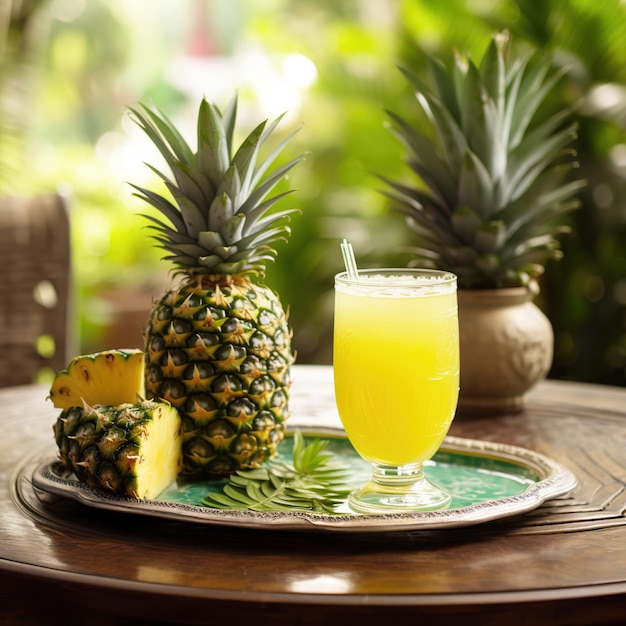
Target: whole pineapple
x,y
492,179
218,346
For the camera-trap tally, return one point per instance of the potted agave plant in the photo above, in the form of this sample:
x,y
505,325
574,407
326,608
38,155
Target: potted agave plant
x,y
494,179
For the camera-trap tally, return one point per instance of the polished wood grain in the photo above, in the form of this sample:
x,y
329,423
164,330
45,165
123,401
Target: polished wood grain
x,y
564,563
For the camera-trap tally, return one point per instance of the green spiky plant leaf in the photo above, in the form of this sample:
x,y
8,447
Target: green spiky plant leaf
x,y
220,220
493,182
314,481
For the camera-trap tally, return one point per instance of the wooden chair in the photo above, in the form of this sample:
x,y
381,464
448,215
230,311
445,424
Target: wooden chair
x,y
35,288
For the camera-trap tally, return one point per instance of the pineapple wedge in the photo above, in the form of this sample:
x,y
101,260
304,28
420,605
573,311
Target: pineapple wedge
x,y
131,449
107,434
111,377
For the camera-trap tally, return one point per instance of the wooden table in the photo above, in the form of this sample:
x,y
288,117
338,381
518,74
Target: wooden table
x,y
564,563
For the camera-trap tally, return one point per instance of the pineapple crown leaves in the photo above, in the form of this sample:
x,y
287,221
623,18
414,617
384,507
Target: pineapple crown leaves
x,y
219,221
493,181
314,481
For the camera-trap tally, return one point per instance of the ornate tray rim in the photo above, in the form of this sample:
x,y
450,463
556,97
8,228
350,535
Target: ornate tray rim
x,y
554,480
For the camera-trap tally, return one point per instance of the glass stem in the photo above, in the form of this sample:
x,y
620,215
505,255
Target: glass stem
x,y
397,474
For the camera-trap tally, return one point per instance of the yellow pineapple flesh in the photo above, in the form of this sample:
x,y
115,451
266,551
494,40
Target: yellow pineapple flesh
x,y
111,377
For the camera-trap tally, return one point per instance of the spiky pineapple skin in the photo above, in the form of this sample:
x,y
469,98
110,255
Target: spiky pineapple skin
x,y
109,448
218,349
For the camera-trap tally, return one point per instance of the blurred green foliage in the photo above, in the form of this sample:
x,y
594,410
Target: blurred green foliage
x,y
97,57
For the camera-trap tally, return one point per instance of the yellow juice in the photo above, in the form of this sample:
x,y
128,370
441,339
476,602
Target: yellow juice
x,y
396,368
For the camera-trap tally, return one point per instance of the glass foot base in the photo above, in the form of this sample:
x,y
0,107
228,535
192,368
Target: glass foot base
x,y
398,490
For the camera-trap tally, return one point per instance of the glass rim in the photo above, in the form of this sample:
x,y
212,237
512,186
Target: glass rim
x,y
438,277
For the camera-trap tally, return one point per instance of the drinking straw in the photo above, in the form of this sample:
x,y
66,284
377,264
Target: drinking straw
x,y
349,260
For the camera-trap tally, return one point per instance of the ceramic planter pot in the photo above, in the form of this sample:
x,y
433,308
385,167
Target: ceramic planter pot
x,y
506,345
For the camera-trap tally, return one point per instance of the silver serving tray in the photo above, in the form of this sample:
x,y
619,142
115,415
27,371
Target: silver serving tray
x,y
489,481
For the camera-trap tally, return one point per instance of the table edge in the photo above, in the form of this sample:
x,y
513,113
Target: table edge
x,y
600,591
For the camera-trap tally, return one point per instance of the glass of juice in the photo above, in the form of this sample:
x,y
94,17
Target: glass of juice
x,y
396,371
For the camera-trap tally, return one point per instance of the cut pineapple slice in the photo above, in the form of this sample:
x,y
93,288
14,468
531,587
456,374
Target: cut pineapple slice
x,y
131,449
110,378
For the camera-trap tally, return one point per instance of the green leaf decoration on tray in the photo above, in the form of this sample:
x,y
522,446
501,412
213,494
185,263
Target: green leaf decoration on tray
x,y
314,481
